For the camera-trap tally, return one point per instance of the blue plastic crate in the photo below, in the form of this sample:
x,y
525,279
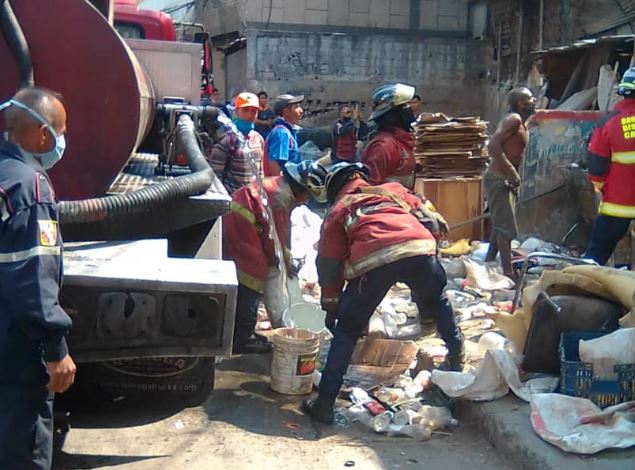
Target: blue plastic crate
x,y
577,377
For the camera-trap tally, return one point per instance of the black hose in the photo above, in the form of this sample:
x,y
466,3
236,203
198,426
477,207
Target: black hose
x,y
14,36
119,206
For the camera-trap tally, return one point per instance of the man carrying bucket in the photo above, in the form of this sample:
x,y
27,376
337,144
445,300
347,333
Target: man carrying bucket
x,y
248,242
374,237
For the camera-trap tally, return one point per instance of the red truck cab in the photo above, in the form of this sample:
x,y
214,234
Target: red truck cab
x,y
132,22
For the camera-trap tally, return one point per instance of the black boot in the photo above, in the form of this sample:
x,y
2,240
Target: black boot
x,y
320,408
252,345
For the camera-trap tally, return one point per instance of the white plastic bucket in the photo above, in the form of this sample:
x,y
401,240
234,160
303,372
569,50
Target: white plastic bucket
x,y
295,354
310,317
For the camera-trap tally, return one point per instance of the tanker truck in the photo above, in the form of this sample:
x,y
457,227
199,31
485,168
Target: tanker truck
x,y
151,300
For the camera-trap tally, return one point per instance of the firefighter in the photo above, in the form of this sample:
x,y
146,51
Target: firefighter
x,y
611,163
33,353
248,242
389,155
373,237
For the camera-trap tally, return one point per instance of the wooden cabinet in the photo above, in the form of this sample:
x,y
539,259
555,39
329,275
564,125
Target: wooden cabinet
x,y
457,199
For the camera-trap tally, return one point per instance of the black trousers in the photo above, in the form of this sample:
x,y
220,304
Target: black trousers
x,y
247,303
426,278
26,427
607,232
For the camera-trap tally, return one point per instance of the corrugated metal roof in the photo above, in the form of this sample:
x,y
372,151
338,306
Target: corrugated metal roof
x,y
586,43
624,13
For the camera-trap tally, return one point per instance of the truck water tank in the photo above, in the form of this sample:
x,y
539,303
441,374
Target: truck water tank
x,y
108,96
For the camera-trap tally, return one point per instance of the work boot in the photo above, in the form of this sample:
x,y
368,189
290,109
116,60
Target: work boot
x,y
320,408
454,362
253,345
455,359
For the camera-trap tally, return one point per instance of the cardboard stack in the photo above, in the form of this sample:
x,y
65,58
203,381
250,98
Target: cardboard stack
x,y
450,147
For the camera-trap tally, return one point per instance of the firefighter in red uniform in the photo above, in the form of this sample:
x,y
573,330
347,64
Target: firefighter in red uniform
x,y
390,156
248,242
611,162
374,237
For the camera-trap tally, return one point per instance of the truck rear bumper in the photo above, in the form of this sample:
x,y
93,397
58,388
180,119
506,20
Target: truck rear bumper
x,y
129,300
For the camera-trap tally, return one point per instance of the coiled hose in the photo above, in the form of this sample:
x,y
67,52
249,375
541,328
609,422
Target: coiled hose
x,y
17,43
119,206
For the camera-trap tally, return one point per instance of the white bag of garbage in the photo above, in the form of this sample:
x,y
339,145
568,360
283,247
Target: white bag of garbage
x,y
493,379
608,351
577,425
276,296
485,276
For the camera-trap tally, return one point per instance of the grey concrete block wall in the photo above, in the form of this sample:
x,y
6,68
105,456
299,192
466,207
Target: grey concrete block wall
x,y
384,14
329,68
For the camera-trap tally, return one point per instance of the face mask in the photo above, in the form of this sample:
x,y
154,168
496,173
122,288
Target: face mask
x,y
244,126
408,116
46,159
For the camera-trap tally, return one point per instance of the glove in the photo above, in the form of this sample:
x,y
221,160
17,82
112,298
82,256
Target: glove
x,y
329,322
293,268
444,227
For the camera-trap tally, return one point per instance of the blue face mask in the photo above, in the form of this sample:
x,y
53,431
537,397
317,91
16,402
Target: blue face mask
x,y
244,126
46,159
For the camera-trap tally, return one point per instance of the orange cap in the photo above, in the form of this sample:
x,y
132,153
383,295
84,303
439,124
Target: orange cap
x,y
246,100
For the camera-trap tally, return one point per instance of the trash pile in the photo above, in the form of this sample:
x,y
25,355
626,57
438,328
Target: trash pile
x,y
564,340
450,147
398,410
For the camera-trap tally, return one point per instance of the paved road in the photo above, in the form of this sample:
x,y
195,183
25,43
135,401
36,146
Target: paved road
x,y
244,425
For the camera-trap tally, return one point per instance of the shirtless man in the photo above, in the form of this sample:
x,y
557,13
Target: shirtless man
x,y
502,180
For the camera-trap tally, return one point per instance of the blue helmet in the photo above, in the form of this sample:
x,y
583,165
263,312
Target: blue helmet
x,y
390,96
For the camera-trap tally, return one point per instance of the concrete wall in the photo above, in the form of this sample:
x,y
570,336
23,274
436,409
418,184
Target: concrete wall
x,y
336,51
331,15
331,68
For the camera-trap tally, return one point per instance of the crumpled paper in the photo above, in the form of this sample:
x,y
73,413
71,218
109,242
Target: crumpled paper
x,y
497,374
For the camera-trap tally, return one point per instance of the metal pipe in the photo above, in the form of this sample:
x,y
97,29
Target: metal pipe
x,y
120,206
541,25
18,45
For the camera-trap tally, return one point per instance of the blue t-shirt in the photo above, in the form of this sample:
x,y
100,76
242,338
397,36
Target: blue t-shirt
x,y
282,143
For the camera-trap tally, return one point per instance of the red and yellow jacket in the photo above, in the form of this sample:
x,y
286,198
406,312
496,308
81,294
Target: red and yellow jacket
x,y
390,157
611,161
368,227
246,233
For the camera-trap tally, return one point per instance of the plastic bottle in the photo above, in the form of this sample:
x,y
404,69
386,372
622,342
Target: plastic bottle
x,y
390,395
404,417
416,431
382,421
361,414
374,407
434,417
359,396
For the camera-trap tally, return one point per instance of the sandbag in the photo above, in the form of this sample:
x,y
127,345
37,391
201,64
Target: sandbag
x,y
558,314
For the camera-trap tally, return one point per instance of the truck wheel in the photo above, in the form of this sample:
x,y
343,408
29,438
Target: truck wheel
x,y
207,373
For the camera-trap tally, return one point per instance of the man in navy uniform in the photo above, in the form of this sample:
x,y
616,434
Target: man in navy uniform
x,y
34,359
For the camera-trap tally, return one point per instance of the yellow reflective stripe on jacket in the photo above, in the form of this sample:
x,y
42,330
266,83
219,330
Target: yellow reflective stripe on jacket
x,y
626,158
388,255
617,210
244,213
251,282
23,255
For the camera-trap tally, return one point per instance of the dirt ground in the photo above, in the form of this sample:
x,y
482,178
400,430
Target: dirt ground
x,y
245,425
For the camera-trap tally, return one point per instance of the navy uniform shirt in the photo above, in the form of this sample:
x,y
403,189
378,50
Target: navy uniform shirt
x,y
33,325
